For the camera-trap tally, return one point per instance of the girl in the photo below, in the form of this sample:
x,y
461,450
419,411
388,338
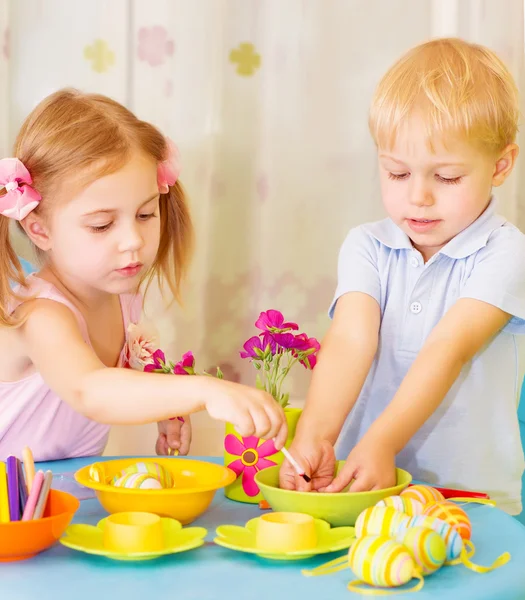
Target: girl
x,y
422,351
96,191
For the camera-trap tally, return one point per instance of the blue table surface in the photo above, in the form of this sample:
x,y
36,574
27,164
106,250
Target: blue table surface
x,y
212,572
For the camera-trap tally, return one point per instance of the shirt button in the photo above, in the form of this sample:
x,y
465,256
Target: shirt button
x,y
414,262
416,307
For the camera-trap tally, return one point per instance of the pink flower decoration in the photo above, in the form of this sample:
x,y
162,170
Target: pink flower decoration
x,y
140,347
252,459
273,321
158,361
154,45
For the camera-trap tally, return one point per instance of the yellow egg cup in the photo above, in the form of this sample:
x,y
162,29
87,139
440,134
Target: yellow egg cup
x,y
285,532
285,536
133,536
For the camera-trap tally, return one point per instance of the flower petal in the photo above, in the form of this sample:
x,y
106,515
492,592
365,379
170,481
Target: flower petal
x,y
236,466
250,443
248,483
233,445
264,463
267,448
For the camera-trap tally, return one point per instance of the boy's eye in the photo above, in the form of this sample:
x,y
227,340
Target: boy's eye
x,y
100,228
398,176
451,180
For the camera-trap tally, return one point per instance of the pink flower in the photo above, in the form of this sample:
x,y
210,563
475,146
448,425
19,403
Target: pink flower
x,y
140,347
186,366
158,361
308,345
273,321
154,45
252,458
256,346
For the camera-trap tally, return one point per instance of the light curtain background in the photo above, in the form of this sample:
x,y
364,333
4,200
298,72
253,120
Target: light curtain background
x,y
267,101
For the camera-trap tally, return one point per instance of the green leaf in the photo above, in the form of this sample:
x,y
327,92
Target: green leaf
x,y
285,400
257,365
220,374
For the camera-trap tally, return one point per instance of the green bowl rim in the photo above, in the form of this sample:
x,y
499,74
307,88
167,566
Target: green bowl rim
x,y
264,485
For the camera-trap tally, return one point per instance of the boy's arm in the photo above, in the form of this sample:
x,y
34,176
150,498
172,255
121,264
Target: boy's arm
x,y
456,339
344,360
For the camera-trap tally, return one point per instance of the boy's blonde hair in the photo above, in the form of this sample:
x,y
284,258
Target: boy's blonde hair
x,y
82,137
460,89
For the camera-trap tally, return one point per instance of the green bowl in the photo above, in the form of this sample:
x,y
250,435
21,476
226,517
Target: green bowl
x,y
338,509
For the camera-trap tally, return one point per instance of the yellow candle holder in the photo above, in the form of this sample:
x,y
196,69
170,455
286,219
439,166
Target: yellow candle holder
x,y
133,532
286,532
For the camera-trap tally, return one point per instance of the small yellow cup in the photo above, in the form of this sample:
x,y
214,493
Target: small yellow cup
x,y
133,532
286,532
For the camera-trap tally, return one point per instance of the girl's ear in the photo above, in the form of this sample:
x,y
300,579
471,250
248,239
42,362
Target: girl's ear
x,y
37,231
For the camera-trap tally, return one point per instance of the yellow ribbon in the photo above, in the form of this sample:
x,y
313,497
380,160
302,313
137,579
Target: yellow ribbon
x,y
333,566
354,586
485,501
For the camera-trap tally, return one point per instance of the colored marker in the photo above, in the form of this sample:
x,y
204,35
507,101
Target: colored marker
x,y
22,487
4,497
33,496
29,467
12,488
43,496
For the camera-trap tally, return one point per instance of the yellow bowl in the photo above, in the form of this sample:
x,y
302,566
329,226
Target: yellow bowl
x,y
338,509
195,485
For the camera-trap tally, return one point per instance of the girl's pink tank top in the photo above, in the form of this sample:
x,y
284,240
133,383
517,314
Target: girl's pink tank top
x,y
31,414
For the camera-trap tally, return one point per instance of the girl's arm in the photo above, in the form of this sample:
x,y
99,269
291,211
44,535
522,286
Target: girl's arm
x,y
52,340
456,339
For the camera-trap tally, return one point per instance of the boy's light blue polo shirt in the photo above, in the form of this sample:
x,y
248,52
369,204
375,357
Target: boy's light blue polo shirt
x,y
472,440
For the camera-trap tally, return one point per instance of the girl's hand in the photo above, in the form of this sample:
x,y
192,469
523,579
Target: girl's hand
x,y
371,466
249,410
174,435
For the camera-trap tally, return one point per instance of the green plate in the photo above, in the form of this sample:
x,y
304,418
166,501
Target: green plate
x,y
340,509
89,539
242,539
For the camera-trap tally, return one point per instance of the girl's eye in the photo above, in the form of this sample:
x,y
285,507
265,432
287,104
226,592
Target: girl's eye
x,y
398,176
451,180
146,217
100,228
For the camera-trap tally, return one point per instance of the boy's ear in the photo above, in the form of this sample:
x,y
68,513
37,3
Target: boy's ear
x,y
37,231
505,164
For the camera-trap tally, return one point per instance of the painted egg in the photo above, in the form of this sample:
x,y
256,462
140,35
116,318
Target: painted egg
x,y
379,560
151,468
427,548
138,481
450,536
422,493
407,505
453,515
380,520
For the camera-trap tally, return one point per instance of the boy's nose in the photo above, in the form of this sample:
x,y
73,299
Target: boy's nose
x,y
420,195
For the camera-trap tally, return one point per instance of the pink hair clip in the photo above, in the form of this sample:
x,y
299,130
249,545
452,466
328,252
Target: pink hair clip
x,y
168,170
19,198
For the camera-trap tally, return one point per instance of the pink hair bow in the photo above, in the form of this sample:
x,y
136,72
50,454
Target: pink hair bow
x,y
168,170
19,198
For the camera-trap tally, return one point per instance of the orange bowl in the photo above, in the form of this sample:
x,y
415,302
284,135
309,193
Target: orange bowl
x,y
24,539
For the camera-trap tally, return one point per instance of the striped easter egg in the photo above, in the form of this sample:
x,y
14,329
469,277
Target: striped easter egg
x,y
426,547
453,515
450,536
409,506
138,481
151,468
379,560
422,493
380,520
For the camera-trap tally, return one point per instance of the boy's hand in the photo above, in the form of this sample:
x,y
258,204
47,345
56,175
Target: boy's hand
x,y
317,458
174,435
371,465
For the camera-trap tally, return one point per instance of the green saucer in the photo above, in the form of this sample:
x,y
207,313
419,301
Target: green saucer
x,y
89,539
243,539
